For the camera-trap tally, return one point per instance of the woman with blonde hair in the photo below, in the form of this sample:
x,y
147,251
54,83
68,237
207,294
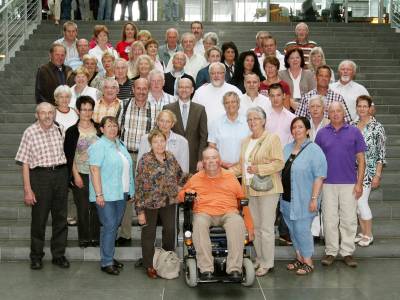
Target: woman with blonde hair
x,y
137,49
317,59
144,64
81,87
90,63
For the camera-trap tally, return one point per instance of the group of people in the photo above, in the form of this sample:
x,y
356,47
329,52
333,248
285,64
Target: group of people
x,y
135,127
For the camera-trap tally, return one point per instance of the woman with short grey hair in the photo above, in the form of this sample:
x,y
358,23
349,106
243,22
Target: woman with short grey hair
x,y
317,109
261,160
210,39
65,115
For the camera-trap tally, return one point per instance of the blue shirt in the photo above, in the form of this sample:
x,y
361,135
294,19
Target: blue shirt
x,y
228,135
104,154
340,148
306,168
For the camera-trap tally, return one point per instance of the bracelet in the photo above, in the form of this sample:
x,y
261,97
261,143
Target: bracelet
x,y
99,195
314,197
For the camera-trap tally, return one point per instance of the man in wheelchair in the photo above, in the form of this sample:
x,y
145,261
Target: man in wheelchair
x,y
218,195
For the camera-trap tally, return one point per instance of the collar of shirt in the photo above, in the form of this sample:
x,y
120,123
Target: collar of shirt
x,y
239,120
103,102
181,104
330,126
43,131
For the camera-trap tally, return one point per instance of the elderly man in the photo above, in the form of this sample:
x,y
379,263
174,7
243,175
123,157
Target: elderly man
x,y
210,95
252,97
191,123
137,118
227,132
269,48
218,192
194,60
177,73
69,40
109,104
157,97
82,45
49,76
45,180
301,41
197,29
344,149
349,89
260,37
317,120
121,76
165,52
323,76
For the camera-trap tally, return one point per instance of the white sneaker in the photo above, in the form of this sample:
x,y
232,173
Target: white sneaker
x,y
366,241
358,238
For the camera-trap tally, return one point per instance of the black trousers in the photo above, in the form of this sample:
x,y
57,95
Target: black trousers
x,y
88,220
51,191
168,219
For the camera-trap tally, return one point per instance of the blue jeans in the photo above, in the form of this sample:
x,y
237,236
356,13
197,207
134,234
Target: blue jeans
x,y
105,8
110,217
300,231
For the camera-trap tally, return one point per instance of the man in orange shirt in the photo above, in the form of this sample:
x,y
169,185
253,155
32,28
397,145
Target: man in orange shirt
x,y
216,204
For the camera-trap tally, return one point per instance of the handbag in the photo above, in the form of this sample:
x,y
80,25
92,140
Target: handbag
x,y
166,263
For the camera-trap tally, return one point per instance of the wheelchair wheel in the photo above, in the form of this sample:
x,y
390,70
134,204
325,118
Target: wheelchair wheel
x,y
249,273
191,272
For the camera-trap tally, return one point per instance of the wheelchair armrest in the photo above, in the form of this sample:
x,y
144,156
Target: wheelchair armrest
x,y
244,202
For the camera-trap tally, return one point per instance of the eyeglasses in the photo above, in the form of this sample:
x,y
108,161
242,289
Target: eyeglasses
x,y
253,120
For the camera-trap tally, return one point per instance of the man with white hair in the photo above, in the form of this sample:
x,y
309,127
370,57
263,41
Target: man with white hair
x,y
45,182
157,97
194,61
260,37
211,95
252,97
301,41
349,89
171,46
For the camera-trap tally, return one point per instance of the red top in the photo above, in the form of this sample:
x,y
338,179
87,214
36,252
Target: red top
x,y
265,87
123,49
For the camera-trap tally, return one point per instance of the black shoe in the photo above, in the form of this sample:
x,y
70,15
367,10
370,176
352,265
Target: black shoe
x,y
111,270
206,276
123,242
94,243
235,276
118,264
61,261
84,244
36,264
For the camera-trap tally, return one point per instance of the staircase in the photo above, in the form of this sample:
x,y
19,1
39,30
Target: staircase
x,y
373,47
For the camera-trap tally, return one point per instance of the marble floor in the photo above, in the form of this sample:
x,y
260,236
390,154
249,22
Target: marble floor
x,y
374,279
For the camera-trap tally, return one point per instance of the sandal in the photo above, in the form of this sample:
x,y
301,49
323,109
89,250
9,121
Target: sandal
x,y
304,269
294,265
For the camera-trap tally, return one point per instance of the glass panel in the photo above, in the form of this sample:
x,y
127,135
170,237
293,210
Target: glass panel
x,y
250,11
222,10
193,10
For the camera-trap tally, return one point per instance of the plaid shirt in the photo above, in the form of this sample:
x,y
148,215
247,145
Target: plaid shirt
x,y
101,109
165,99
331,96
136,121
41,148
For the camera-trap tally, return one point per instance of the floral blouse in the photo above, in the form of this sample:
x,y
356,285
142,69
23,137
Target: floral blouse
x,y
157,184
375,138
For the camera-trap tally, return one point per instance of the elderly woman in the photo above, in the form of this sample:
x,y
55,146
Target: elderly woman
x,y
317,59
152,50
210,39
213,54
229,57
143,36
375,158
108,61
101,35
158,179
90,63
247,63
129,35
271,67
111,178
78,138
260,163
300,79
143,66
317,108
302,177
227,132
137,49
65,116
81,88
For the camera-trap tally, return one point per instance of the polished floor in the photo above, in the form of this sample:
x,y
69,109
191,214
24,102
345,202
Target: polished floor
x,y
374,279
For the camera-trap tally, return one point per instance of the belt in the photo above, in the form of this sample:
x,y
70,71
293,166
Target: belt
x,y
134,152
53,168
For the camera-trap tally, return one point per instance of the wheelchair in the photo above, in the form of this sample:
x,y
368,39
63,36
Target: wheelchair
x,y
219,250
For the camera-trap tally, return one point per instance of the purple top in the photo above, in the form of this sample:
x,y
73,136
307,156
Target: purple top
x,y
340,148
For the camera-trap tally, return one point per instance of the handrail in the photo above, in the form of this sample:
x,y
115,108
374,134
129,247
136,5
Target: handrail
x,y
395,13
18,19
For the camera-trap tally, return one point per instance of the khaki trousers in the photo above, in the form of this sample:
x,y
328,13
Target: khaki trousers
x,y
339,216
235,232
263,211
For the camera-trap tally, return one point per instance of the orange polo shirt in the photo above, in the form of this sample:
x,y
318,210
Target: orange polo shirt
x,y
216,196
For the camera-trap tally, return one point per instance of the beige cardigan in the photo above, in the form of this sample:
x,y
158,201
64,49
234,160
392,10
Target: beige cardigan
x,y
267,155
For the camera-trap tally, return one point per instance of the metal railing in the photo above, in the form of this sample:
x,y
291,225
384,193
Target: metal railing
x,y
395,13
18,19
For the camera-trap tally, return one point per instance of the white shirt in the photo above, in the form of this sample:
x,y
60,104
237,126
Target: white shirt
x,y
193,65
247,163
296,85
350,92
125,172
199,47
66,120
72,51
98,53
87,91
279,56
261,101
211,98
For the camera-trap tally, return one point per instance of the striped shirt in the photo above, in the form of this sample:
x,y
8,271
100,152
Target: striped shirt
x,y
102,109
125,91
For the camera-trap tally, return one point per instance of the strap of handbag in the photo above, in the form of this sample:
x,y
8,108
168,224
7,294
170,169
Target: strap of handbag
x,y
298,153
